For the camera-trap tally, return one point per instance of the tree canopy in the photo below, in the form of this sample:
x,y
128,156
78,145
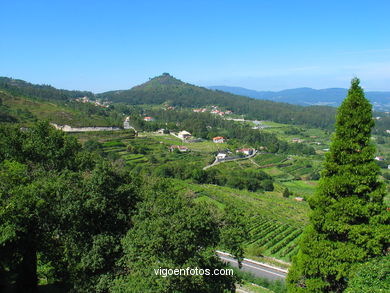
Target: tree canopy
x,y
70,217
348,222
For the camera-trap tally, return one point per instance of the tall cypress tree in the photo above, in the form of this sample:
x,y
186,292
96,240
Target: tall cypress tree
x,y
349,223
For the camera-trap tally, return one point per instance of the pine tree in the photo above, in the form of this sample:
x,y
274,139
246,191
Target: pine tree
x,y
349,223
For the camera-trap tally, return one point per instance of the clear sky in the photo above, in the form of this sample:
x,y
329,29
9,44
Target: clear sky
x,y
263,45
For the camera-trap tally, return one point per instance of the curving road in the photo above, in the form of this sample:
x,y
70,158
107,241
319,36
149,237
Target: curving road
x,y
257,269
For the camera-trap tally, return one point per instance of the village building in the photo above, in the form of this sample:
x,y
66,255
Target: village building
x,y
147,118
378,158
245,151
184,134
218,139
181,148
221,156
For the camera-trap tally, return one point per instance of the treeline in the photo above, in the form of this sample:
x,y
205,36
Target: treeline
x,y
73,220
381,126
45,92
207,126
167,89
249,180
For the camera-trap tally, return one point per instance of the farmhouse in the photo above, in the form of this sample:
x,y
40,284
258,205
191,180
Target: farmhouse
x,y
148,118
184,134
181,148
378,158
245,151
299,198
218,139
220,156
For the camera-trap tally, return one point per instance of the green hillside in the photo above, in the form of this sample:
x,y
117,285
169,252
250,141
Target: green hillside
x,y
22,88
26,110
167,89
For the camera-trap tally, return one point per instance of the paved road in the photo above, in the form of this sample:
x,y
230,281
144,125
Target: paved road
x,y
256,268
216,162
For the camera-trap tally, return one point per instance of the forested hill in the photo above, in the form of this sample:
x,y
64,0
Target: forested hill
x,y
167,89
48,104
308,96
46,92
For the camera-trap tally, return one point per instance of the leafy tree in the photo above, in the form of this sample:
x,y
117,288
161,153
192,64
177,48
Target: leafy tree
x,y
93,146
286,192
30,161
93,213
268,185
171,232
380,140
349,222
61,210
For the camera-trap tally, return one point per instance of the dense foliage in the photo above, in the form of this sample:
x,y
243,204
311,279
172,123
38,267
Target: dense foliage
x,y
65,214
371,277
171,232
349,223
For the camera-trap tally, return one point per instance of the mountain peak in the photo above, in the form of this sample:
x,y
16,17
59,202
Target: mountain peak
x,y
164,79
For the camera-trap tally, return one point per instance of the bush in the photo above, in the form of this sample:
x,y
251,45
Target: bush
x,y
275,286
255,250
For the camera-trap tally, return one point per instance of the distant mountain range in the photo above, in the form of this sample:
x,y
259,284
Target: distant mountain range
x,y
308,96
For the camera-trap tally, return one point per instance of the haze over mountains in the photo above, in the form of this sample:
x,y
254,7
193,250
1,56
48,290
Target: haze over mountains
x,y
308,96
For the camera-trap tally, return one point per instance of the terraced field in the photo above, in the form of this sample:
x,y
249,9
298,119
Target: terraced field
x,y
278,239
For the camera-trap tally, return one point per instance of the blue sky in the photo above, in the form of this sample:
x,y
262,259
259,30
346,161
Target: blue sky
x,y
262,45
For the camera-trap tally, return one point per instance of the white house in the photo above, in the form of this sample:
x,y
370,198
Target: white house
x,y
148,118
378,158
184,134
221,156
